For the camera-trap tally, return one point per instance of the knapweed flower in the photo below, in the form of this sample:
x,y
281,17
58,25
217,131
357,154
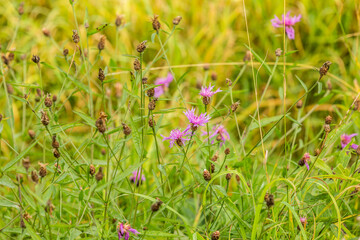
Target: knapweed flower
x,y
288,22
346,139
164,82
207,93
221,134
136,179
196,120
178,137
124,229
305,161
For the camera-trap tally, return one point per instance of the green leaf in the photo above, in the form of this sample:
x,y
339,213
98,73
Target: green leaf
x,y
96,30
6,181
291,52
88,120
19,157
326,98
264,122
47,65
259,59
31,231
302,83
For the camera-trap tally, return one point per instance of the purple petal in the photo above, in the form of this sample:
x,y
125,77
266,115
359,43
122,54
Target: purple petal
x,y
290,32
354,146
127,235
134,231
307,166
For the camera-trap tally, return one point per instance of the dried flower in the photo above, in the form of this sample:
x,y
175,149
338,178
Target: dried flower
x,y
196,120
65,52
346,139
55,144
35,58
126,129
141,47
328,119
269,199
75,36
92,170
26,163
101,122
119,20
34,176
324,69
178,137
99,175
152,104
144,80
42,170
327,128
155,206
44,118
248,56
124,229
56,153
136,179
155,23
299,104
48,101
207,93
101,44
206,175
215,235
101,75
278,52
288,22
137,65
164,83
32,133
46,32
235,106
151,92
177,20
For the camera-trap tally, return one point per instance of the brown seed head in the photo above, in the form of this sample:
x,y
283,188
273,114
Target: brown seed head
x,y
269,199
248,56
144,80
101,75
214,76
26,163
32,133
215,235
206,175
227,151
99,175
55,144
75,36
56,153
35,59
100,124
137,65
101,44
155,206
235,106
126,129
42,170
228,176
48,101
65,52
119,20
34,176
212,167
177,20
152,104
151,92
327,128
141,47
328,119
151,122
21,8
92,170
278,52
324,69
46,32
44,118
299,104
155,23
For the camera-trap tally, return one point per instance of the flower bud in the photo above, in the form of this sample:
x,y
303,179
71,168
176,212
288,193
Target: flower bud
x,y
75,36
278,52
155,23
99,175
206,175
215,235
141,47
269,199
177,20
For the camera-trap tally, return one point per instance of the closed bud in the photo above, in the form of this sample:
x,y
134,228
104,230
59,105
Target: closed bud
x,y
317,152
248,56
212,167
46,32
155,206
177,20
235,106
119,20
227,151
278,52
151,122
206,175
327,128
152,104
214,76
21,8
101,44
42,170
228,82
299,104
324,69
44,118
101,75
9,88
56,153
151,92
55,144
329,85
49,207
26,163
358,150
228,176
269,199
144,80
54,98
206,100
65,52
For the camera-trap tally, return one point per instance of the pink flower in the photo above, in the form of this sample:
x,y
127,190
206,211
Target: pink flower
x,y
346,139
306,159
178,137
288,22
196,120
164,82
124,229
135,178
207,91
222,134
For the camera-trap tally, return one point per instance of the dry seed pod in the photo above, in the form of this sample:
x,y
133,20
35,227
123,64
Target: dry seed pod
x,y
206,175
141,47
177,20
34,176
99,175
215,235
101,44
92,170
26,163
42,170
269,199
155,23
48,101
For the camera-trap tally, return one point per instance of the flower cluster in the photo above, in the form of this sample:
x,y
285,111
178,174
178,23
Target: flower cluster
x,y
124,229
164,83
196,120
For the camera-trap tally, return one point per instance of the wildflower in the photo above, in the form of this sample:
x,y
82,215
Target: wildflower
x,y
305,161
196,120
207,93
220,131
288,22
124,229
164,83
135,178
346,139
178,137
303,221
